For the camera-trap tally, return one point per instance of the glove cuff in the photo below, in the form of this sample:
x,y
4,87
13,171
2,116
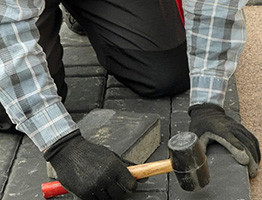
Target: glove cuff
x,y
205,106
58,145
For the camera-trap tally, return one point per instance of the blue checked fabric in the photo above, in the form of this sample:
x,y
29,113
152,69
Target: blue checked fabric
x,y
27,91
215,36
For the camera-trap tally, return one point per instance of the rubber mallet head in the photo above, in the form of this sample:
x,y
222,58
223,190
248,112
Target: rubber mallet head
x,y
189,161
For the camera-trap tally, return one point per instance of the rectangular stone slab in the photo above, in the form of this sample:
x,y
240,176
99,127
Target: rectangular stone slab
x,y
133,136
79,97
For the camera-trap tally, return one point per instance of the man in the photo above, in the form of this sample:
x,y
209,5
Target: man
x,y
142,43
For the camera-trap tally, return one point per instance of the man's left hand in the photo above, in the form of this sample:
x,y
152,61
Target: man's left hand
x,y
210,122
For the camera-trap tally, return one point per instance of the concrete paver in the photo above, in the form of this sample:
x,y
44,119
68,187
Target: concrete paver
x,y
254,2
9,144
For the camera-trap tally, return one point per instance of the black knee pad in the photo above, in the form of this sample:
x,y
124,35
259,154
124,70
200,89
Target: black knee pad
x,y
151,74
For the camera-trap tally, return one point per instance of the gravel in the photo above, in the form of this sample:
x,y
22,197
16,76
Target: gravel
x,y
249,85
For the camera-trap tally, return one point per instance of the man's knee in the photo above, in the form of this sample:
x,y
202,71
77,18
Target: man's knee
x,y
167,86
163,83
151,74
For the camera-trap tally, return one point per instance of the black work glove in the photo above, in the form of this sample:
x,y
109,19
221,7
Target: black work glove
x,y
88,170
210,122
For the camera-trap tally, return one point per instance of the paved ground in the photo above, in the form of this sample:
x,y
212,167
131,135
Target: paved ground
x,y
22,168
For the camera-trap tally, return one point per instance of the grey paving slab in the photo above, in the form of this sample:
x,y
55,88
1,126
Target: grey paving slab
x,y
28,173
160,106
121,93
254,2
180,116
84,94
231,100
79,56
231,104
9,144
69,38
133,136
157,183
85,71
228,179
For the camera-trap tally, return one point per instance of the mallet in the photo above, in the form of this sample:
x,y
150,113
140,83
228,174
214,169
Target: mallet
x,y
187,160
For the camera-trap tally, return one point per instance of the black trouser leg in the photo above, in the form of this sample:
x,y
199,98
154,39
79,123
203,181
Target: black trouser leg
x,y
141,43
49,25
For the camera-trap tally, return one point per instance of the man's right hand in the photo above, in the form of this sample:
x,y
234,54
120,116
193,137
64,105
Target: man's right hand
x,y
88,170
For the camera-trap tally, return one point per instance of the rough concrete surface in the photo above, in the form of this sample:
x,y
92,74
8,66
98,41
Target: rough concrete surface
x,y
249,85
254,2
138,133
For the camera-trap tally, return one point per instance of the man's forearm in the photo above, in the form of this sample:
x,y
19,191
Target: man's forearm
x,y
27,90
215,36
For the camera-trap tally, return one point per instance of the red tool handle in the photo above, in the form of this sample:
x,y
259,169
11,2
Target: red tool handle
x,y
52,189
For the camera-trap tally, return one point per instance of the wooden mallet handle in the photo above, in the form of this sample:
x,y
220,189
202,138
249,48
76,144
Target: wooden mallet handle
x,y
52,189
151,169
